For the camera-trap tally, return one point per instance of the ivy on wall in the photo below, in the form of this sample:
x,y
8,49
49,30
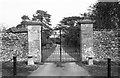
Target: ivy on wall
x,y
14,44
105,44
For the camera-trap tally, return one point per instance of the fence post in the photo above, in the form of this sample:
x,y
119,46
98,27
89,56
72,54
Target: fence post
x,y
109,68
14,66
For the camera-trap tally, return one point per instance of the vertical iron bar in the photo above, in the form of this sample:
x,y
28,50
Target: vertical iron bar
x,y
80,36
60,46
41,45
14,66
109,68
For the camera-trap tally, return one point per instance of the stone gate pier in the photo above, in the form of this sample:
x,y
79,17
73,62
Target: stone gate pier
x,y
34,41
86,38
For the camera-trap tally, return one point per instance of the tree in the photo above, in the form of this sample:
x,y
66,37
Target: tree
x,y
106,15
70,21
25,17
42,16
71,30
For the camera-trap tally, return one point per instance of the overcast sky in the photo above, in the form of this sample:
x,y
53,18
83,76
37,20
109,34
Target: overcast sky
x,y
12,10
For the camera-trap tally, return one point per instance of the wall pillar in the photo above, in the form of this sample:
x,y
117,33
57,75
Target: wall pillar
x,y
86,36
34,42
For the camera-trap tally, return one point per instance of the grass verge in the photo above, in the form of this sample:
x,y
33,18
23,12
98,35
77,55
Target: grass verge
x,y
100,68
22,68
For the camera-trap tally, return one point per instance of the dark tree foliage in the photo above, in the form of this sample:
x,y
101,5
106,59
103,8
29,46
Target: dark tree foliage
x,y
71,31
42,16
25,17
69,20
106,15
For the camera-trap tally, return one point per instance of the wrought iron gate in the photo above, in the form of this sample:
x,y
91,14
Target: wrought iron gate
x,y
60,52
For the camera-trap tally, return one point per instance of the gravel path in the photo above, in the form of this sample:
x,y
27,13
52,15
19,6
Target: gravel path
x,y
68,69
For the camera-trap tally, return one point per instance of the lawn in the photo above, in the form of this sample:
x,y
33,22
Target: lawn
x,y
100,68
22,68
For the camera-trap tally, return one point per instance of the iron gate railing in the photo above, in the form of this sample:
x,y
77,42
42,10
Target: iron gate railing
x,y
61,52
